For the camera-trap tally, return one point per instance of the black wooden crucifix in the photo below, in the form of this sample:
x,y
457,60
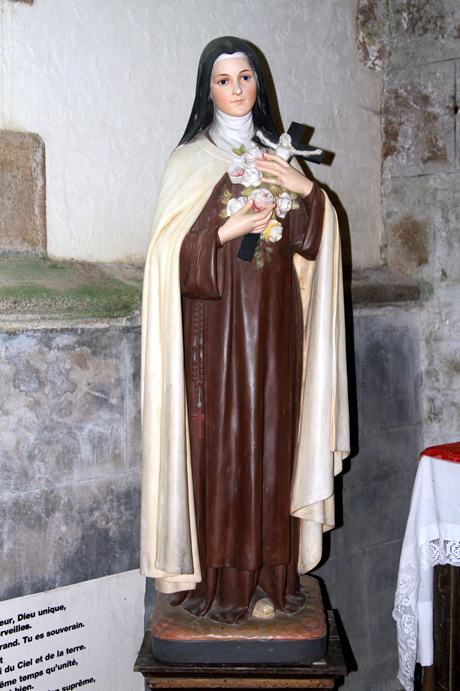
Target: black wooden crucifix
x,y
287,147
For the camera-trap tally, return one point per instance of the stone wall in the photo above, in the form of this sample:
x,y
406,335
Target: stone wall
x,y
419,51
361,556
421,179
70,454
405,360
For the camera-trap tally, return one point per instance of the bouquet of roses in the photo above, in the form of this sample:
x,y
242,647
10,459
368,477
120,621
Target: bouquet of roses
x,y
243,171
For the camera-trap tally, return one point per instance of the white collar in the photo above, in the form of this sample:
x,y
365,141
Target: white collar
x,y
229,132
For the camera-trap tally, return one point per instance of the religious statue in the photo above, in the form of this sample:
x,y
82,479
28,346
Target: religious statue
x,y
244,389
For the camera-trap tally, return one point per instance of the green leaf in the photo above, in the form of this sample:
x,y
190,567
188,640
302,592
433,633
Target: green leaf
x,y
240,151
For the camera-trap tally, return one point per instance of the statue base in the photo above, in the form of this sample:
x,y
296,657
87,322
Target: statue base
x,y
179,637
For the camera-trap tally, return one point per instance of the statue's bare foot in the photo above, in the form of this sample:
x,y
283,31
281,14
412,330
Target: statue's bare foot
x,y
264,609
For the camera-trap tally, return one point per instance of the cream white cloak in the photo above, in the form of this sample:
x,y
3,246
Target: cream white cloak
x,y
169,544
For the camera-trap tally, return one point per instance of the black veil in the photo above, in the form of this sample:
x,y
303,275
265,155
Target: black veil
x,y
202,113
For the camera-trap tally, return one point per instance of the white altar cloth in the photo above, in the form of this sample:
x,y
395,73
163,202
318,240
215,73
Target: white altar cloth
x,y
432,537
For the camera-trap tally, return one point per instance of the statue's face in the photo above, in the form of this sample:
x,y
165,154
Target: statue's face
x,y
233,86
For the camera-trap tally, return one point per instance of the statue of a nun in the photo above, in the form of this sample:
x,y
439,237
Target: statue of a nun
x,y
244,390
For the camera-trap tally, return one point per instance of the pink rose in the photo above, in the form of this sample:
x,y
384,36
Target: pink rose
x,y
236,173
261,199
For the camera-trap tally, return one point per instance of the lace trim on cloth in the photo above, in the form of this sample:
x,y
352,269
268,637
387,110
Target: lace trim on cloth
x,y
405,610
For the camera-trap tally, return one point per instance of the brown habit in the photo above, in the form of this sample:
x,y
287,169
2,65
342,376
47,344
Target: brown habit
x,y
243,364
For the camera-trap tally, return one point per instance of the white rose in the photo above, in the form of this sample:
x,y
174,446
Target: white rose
x,y
252,176
235,204
274,232
252,155
284,205
261,198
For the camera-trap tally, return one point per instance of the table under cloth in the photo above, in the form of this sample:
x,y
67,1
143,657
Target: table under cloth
x,y
432,537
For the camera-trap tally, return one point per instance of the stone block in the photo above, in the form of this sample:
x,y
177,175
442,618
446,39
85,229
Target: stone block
x,y
382,563
149,601
440,357
69,456
417,120
69,533
409,232
440,320
423,32
62,415
22,182
387,371
373,36
408,228
377,490
445,214
422,218
456,112
133,402
379,285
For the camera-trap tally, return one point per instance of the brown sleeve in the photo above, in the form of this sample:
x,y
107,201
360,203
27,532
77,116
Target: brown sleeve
x,y
202,264
307,224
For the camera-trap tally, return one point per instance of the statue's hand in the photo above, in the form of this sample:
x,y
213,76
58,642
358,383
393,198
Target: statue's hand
x,y
283,174
242,223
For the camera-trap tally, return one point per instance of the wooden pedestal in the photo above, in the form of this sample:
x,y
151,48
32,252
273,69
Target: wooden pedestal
x,y
316,675
179,637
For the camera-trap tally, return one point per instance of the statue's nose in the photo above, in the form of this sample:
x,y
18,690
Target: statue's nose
x,y
237,88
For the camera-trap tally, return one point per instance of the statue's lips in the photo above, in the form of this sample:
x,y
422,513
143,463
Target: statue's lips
x,y
239,102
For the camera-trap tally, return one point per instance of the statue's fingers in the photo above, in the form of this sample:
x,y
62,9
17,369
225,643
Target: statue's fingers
x,y
278,159
270,168
271,157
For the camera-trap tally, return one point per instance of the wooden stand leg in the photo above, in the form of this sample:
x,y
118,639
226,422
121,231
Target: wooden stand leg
x,y
446,630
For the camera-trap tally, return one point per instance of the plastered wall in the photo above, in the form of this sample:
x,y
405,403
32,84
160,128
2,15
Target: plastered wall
x,y
108,85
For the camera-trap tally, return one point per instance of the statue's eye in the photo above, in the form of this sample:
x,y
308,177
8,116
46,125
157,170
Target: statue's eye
x,y
246,77
223,82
